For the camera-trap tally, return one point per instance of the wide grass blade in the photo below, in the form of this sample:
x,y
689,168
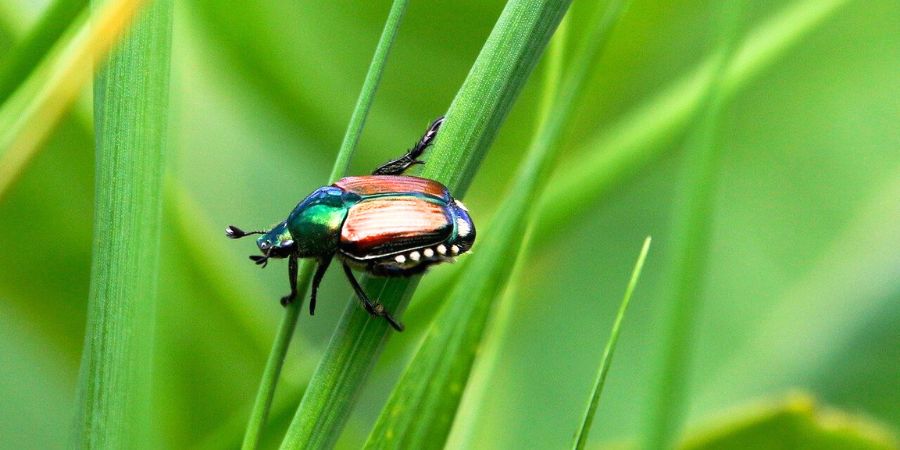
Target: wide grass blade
x,y
131,108
499,72
266,390
606,359
421,409
691,242
32,111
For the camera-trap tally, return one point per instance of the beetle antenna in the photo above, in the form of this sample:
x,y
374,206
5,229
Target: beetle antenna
x,y
233,232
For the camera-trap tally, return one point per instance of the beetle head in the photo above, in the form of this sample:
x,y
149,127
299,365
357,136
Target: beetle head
x,y
275,243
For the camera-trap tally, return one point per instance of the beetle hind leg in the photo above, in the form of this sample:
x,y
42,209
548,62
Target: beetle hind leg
x,y
399,165
374,309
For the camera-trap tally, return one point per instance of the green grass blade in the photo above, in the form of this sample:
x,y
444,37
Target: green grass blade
x,y
131,108
497,76
28,116
421,408
266,391
691,240
24,57
552,79
606,359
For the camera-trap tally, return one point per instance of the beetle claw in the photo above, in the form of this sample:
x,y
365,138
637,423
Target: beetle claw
x,y
262,261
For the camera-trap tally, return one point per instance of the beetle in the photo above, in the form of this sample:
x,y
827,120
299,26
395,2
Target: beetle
x,y
386,224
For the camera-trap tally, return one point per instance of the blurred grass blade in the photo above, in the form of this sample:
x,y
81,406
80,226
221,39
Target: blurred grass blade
x,y
606,359
618,152
22,59
421,408
691,230
131,108
266,390
497,76
29,115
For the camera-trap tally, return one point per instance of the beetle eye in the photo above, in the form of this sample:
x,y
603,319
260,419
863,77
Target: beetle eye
x,y
264,245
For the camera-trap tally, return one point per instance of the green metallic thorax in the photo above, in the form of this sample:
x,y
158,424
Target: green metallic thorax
x,y
315,223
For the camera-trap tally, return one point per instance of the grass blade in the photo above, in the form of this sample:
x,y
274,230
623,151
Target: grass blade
x,y
131,108
465,421
499,72
29,115
606,359
421,409
690,237
266,391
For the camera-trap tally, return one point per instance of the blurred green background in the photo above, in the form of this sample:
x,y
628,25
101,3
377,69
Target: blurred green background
x,y
804,274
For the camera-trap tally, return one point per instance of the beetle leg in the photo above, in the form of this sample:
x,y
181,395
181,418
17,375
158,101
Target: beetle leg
x,y
317,278
292,275
399,165
375,309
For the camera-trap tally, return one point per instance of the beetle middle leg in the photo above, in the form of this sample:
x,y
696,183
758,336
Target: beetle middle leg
x,y
375,309
292,274
317,278
399,165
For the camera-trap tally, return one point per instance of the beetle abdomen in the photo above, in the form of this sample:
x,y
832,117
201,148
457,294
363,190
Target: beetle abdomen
x,y
379,226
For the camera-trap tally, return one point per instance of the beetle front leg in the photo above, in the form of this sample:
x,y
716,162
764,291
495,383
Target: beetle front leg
x,y
292,275
375,309
317,278
399,165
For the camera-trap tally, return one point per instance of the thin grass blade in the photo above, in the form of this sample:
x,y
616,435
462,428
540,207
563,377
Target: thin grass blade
x,y
609,350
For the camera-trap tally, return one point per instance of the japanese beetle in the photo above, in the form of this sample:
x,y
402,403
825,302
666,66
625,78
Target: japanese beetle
x,y
386,224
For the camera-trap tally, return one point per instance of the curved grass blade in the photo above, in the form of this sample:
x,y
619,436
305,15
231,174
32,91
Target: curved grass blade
x,y
266,390
421,408
606,359
28,116
499,72
690,237
131,108
22,59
